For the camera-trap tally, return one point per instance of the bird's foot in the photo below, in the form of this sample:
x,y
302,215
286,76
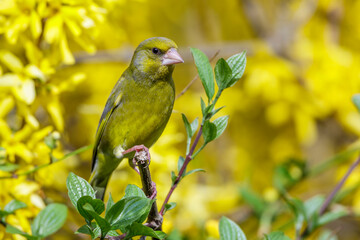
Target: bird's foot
x,y
141,154
137,149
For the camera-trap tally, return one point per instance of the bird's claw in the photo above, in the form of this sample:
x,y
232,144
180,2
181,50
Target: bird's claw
x,y
137,149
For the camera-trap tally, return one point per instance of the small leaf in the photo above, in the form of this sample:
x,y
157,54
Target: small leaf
x,y
50,141
13,230
220,124
331,216
14,205
194,171
277,236
8,167
257,204
230,230
187,126
97,205
85,229
109,204
137,229
194,126
114,212
209,131
133,190
181,163
205,72
356,101
78,187
49,220
134,210
188,132
203,106
103,224
113,233
237,64
169,206
223,74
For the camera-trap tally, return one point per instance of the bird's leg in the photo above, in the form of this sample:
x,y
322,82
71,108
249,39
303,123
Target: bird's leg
x,y
138,148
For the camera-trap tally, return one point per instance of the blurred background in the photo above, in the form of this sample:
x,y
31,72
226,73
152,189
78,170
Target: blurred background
x,y
289,115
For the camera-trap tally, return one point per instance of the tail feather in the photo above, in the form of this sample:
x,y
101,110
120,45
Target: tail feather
x,y
99,183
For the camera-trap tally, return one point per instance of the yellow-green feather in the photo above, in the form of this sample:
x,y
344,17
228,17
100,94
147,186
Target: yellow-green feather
x,y
136,112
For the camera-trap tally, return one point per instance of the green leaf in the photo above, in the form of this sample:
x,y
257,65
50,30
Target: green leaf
x,y
50,141
194,125
97,205
14,205
103,224
187,126
209,131
94,231
205,72
137,229
49,220
134,210
220,124
277,236
133,190
223,74
312,206
237,64
114,212
331,216
229,230
84,229
8,167
203,106
254,200
113,233
169,206
13,230
188,132
356,101
78,187
181,163
194,171
109,204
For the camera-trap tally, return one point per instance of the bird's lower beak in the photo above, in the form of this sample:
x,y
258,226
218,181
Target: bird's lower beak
x,y
172,57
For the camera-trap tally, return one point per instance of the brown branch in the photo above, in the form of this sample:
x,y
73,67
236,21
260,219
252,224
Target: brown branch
x,y
195,78
182,170
154,219
332,195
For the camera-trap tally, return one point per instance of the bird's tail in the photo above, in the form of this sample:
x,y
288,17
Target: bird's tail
x,y
99,183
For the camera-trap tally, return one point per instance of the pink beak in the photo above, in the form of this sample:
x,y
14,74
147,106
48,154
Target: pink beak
x,y
172,57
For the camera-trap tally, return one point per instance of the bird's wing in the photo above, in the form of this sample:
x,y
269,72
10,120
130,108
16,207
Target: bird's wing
x,y
111,104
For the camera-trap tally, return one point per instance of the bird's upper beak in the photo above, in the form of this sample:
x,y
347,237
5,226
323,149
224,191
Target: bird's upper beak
x,y
172,57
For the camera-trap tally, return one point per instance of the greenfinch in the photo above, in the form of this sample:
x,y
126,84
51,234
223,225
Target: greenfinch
x,y
137,109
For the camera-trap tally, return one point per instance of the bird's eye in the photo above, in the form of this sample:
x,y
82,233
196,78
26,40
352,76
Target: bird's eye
x,y
156,51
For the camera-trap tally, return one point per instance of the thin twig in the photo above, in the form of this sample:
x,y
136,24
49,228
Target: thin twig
x,y
182,170
332,195
195,78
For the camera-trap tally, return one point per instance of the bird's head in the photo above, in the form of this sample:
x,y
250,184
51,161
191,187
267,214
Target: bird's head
x,y
155,58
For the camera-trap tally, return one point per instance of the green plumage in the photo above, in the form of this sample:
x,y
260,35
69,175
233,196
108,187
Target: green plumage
x,y
136,111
